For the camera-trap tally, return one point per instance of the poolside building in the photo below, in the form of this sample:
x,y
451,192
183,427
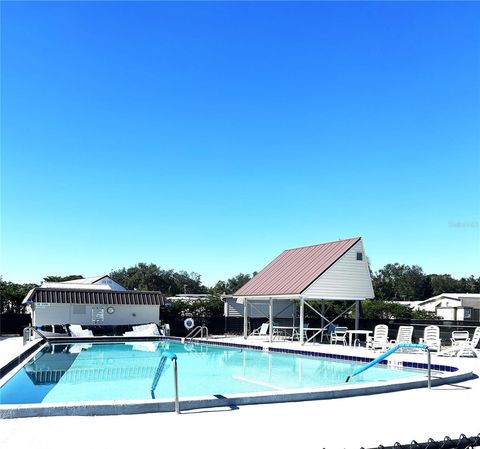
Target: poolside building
x,y
92,301
334,271
450,306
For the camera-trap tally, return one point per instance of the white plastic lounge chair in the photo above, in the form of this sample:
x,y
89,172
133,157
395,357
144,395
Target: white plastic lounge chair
x,y
404,336
262,330
379,339
77,331
458,339
462,347
431,338
143,330
468,349
339,334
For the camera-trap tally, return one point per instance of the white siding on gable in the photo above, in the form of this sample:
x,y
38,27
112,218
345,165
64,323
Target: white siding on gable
x,y
347,278
110,283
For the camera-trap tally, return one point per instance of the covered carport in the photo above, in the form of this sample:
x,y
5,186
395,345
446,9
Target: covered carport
x,y
334,271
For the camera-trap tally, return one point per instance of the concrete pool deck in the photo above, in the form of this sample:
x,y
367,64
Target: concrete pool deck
x,y
341,423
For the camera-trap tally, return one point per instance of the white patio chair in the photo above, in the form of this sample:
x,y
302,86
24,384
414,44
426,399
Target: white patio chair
x,y
431,338
379,339
465,347
296,333
459,338
261,331
339,334
330,330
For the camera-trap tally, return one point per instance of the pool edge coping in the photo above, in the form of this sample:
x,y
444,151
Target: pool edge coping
x,y
122,407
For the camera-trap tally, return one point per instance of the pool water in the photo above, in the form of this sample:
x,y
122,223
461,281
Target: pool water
x,y
118,371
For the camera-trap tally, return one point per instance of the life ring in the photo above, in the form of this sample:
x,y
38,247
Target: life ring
x,y
189,323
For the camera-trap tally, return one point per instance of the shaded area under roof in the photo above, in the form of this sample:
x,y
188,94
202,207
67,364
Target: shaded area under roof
x,y
292,272
110,297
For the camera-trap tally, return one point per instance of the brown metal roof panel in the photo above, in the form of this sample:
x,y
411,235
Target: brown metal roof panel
x,y
295,269
311,265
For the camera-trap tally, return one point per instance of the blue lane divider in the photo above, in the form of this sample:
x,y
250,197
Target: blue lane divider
x,y
384,356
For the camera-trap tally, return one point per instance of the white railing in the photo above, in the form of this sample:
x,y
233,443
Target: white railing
x,y
161,365
201,331
28,334
391,351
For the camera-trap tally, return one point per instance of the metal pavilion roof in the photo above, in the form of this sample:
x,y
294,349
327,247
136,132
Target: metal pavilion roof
x,y
293,271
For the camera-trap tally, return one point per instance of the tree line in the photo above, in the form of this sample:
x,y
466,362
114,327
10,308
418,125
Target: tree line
x,y
392,283
397,282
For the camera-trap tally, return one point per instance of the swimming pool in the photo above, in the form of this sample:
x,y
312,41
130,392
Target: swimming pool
x,y
78,372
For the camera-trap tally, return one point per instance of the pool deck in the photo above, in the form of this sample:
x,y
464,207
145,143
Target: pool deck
x,y
340,423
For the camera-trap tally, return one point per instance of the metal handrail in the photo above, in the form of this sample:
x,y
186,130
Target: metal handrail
x,y
27,334
158,373
391,351
197,330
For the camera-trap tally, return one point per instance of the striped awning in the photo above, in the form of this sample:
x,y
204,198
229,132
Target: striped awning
x,y
110,297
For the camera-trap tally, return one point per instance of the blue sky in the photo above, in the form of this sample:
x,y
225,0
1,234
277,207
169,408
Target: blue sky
x,y
211,136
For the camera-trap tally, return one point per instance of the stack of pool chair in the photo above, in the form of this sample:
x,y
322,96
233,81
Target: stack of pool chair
x,y
77,331
143,330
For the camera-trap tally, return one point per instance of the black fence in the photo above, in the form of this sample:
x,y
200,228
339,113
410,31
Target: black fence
x,y
13,324
462,442
234,325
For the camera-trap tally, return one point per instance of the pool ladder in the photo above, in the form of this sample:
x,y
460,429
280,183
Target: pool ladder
x,y
196,331
28,333
161,365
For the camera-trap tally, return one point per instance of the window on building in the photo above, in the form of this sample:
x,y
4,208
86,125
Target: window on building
x,y
359,256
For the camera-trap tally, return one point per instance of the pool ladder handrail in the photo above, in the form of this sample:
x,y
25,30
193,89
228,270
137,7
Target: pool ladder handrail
x,y
27,335
202,330
173,357
391,351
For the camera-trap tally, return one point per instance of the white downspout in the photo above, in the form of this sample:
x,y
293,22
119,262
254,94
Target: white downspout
x,y
245,318
302,319
270,321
